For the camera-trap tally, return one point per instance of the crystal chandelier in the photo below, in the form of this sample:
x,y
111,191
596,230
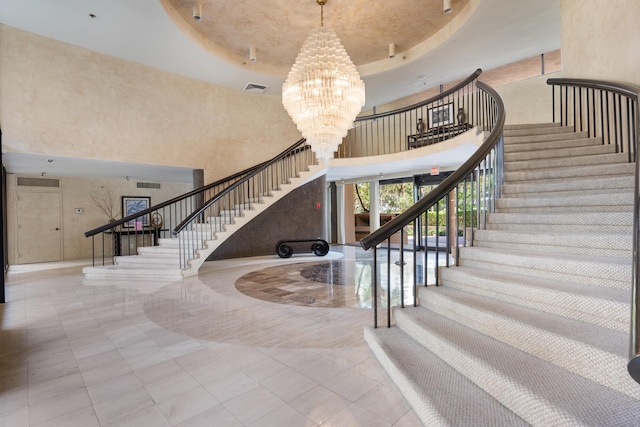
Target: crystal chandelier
x,y
323,92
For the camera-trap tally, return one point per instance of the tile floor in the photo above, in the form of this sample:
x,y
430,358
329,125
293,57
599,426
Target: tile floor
x,y
195,352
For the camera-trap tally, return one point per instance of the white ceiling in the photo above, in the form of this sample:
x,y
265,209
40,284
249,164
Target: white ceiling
x,y
499,32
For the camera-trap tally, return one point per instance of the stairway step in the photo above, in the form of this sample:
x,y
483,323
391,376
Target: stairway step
x,y
606,307
580,202
560,153
564,162
599,171
533,128
158,250
438,394
537,391
588,222
617,245
168,242
133,272
551,144
518,142
159,261
543,335
599,185
589,270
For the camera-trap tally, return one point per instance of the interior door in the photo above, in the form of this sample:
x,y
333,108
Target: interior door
x,y
39,236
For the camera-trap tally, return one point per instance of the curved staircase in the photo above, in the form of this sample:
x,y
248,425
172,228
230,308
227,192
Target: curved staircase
x,y
162,262
532,327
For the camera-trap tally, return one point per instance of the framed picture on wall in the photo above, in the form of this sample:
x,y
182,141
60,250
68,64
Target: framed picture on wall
x,y
132,205
440,116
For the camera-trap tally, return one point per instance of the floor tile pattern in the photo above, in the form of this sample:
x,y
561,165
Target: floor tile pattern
x,y
195,352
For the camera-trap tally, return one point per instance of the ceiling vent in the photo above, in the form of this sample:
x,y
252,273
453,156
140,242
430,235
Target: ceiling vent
x,y
255,88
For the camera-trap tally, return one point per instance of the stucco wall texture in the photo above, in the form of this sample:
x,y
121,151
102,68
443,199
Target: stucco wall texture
x,y
63,100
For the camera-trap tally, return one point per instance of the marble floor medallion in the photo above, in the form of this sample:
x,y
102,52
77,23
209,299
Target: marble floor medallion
x,y
334,284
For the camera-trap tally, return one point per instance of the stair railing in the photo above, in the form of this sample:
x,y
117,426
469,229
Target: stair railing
x,y
608,110
454,208
443,116
397,128
228,205
147,226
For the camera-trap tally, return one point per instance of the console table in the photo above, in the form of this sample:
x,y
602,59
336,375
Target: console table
x,y
436,134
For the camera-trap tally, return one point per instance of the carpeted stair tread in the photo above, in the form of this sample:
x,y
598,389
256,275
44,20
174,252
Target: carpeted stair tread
x,y
562,162
583,218
531,135
550,143
573,187
594,172
601,244
592,270
547,336
559,153
606,307
438,393
538,391
586,228
535,128
581,200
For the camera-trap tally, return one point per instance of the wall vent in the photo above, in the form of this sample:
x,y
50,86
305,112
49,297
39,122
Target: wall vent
x,y
255,88
149,185
38,182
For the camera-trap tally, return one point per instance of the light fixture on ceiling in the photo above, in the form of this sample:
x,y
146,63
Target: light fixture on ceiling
x,y
323,92
197,11
447,6
392,50
252,54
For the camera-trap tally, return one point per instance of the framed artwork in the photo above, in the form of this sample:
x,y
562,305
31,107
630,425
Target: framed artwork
x,y
132,205
440,116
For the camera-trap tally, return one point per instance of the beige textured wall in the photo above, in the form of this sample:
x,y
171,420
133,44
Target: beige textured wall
x,y
76,193
67,101
600,39
528,101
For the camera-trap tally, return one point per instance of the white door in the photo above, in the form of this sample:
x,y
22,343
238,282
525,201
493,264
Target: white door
x,y
39,237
